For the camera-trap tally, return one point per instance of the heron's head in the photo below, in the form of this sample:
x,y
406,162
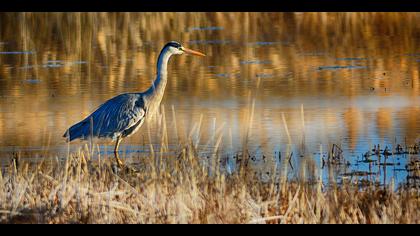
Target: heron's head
x,y
177,48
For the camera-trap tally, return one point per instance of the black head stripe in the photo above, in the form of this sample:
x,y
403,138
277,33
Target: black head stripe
x,y
173,44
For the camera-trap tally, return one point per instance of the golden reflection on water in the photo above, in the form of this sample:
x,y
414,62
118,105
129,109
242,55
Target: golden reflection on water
x,y
356,74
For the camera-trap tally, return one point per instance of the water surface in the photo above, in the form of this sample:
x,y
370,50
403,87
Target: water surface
x,y
356,75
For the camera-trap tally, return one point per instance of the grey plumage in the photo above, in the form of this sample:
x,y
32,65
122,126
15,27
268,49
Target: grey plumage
x,y
122,115
119,116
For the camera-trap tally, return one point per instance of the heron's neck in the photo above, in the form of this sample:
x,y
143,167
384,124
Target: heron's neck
x,y
155,93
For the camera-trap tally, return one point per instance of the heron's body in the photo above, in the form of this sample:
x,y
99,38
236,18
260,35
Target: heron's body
x,y
122,115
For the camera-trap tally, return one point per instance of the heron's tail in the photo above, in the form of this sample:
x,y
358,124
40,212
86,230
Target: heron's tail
x,y
79,130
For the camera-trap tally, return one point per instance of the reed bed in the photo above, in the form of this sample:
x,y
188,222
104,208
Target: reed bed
x,y
184,186
191,185
179,189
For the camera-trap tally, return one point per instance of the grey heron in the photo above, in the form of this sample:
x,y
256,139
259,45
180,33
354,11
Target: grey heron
x,y
122,115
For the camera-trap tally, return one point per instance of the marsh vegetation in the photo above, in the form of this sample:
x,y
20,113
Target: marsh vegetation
x,y
291,118
195,183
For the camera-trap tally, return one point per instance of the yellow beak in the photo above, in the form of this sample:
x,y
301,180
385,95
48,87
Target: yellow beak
x,y
192,52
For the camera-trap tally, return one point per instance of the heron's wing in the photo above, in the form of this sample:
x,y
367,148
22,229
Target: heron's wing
x,y
117,114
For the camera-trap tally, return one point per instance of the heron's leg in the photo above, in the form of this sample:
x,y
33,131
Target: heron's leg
x,y
117,144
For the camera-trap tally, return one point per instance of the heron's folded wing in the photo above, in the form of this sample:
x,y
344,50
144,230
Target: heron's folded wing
x,y
118,114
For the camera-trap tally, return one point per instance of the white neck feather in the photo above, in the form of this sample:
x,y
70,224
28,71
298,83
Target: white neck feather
x,y
154,94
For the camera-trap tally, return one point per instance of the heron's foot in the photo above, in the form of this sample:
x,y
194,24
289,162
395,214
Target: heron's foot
x,y
130,169
120,167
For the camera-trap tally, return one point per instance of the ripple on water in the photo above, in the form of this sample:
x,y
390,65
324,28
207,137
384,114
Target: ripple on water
x,y
206,28
224,75
78,62
54,64
351,59
228,75
340,67
262,75
412,54
16,52
217,41
32,81
267,43
247,62
312,53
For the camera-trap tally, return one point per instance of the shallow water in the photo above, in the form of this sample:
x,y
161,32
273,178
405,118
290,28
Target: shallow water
x,y
356,75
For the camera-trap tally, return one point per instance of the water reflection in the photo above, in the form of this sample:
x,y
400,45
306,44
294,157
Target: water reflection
x,y
356,75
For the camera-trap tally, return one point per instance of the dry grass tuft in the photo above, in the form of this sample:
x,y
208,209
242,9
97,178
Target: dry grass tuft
x,y
180,190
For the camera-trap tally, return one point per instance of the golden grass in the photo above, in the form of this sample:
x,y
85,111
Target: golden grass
x,y
83,188
189,187
180,189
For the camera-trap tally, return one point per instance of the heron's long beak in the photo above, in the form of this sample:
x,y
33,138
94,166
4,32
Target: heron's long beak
x,y
192,52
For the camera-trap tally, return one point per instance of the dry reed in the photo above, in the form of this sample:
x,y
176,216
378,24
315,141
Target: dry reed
x,y
185,186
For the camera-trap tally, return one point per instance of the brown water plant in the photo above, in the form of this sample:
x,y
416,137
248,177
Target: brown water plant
x,y
180,189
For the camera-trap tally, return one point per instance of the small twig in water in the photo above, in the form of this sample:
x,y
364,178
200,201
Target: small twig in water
x,y
290,160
